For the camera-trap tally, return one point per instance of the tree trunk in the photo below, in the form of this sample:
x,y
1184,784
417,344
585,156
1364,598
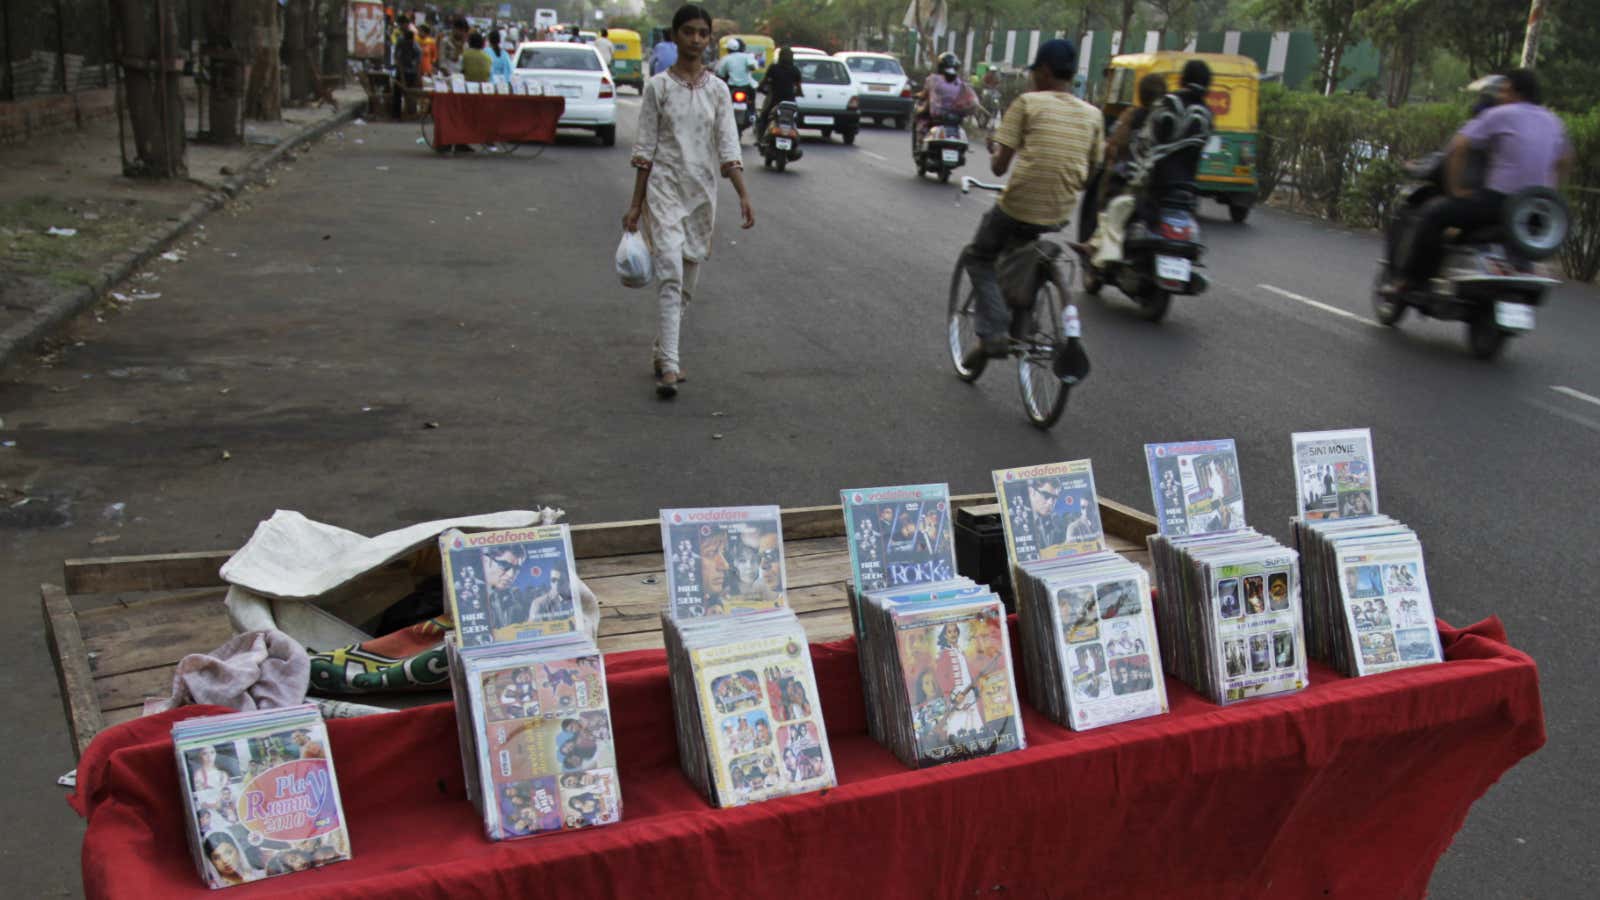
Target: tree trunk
x,y
1530,43
264,99
1127,22
149,50
228,35
295,18
336,51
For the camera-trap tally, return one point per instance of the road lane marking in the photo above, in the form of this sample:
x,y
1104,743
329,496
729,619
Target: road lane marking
x,y
876,156
1572,417
1318,304
1575,394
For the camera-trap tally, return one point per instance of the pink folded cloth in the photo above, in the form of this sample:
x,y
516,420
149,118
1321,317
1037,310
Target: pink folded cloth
x,y
253,670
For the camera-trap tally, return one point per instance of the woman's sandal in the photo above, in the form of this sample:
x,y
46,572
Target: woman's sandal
x,y
659,370
667,384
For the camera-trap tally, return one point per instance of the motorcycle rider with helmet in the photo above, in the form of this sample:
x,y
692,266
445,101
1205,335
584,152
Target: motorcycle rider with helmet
x,y
1527,147
738,70
944,91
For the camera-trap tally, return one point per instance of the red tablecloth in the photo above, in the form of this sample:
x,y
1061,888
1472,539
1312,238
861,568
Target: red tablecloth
x,y
484,118
1352,788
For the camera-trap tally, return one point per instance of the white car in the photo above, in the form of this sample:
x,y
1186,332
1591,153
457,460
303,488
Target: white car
x,y
885,90
829,98
576,73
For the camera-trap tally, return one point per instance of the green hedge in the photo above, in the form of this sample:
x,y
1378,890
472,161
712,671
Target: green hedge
x,y
1343,156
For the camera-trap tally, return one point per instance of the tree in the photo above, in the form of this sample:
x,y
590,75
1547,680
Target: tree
x,y
148,48
264,94
228,35
1402,29
1334,22
296,17
1486,34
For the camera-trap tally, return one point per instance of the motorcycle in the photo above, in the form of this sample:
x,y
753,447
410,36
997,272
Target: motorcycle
x,y
1155,264
744,108
781,143
942,150
1487,277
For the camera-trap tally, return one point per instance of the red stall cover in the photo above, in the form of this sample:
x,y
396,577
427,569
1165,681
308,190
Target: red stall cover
x,y
485,118
1351,788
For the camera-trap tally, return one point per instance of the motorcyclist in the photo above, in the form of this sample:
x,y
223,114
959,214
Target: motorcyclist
x,y
1055,140
1119,148
738,67
1431,169
944,91
780,83
1527,147
1165,153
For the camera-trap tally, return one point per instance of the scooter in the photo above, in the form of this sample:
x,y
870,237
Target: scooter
x,y
942,150
1155,263
1488,276
744,108
781,144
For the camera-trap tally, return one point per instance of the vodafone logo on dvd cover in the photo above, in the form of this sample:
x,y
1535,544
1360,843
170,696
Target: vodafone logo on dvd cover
x,y
856,499
1161,452
536,571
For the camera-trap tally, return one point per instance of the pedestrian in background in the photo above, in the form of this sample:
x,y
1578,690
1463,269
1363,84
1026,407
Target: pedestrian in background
x,y
452,47
407,69
430,51
686,137
604,47
499,60
663,55
475,63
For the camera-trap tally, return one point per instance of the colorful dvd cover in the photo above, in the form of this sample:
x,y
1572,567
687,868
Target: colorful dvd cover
x,y
899,536
1196,487
723,561
509,585
1336,474
1049,511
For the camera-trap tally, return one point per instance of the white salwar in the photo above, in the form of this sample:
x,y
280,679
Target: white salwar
x,y
686,139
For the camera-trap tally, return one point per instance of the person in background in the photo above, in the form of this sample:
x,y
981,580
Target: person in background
x,y
475,63
499,60
1527,147
452,48
604,47
1056,140
944,91
781,82
407,69
1114,178
430,51
662,56
686,136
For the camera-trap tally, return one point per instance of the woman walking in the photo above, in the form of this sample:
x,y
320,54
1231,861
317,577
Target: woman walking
x,y
686,136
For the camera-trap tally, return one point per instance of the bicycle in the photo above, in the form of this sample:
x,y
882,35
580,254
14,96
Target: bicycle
x,y
503,147
1036,332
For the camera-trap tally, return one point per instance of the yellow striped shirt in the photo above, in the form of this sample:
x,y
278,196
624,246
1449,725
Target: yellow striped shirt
x,y
1058,140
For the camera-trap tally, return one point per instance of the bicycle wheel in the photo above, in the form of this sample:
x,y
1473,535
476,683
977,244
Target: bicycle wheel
x,y
1043,394
427,130
962,326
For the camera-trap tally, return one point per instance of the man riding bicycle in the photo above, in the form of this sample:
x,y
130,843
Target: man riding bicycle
x,y
1056,140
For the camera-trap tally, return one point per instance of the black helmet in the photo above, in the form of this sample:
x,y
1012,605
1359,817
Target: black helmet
x,y
949,63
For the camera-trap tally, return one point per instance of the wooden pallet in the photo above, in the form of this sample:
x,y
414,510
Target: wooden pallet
x,y
120,624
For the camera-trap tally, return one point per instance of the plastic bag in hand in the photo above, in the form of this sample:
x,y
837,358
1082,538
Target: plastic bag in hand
x,y
633,260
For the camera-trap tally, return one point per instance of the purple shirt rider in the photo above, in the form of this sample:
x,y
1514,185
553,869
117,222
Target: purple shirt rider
x,y
1525,142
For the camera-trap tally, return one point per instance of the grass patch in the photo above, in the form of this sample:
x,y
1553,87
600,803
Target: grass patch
x,y
26,247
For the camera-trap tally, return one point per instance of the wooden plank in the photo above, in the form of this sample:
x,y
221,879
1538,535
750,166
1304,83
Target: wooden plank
x,y
151,610
78,698
131,688
164,572
821,626
646,563
160,643
623,590
1125,522
630,618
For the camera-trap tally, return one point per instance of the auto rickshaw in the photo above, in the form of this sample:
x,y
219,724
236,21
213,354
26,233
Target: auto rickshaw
x,y
763,48
627,57
1228,165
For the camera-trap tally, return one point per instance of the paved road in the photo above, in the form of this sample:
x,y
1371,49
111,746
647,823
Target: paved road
x,y
377,288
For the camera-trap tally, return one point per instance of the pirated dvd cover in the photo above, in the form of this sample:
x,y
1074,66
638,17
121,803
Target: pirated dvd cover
x,y
1049,511
723,560
507,585
899,536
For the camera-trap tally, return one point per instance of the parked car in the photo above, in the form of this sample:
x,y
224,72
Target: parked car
x,y
574,72
828,100
885,91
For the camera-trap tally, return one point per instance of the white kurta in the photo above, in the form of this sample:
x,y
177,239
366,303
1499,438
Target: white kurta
x,y
686,136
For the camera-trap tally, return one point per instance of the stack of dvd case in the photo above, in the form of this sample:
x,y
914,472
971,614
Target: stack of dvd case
x,y
934,650
1088,633
937,673
744,695
1368,609
1228,613
261,796
533,714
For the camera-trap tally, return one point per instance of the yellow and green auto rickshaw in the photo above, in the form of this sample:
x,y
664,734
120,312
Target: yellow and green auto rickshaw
x,y
1228,165
627,57
763,48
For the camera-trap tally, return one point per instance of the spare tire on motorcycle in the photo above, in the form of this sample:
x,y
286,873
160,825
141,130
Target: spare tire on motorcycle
x,y
1535,221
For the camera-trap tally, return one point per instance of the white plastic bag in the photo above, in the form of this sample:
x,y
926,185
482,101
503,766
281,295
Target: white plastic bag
x,y
633,261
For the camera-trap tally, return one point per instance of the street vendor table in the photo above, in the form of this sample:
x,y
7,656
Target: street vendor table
x,y
1351,788
495,118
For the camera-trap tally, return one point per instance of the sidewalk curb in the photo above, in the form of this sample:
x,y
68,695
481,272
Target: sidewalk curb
x,y
25,335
